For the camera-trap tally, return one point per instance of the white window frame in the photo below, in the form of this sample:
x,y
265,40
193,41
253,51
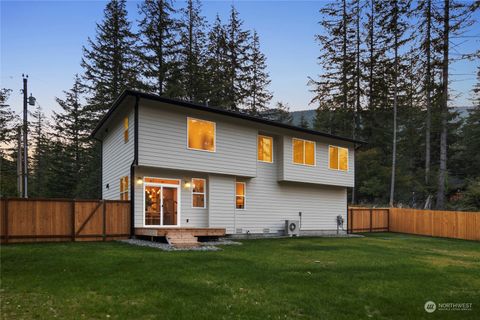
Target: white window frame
x,y
244,196
314,153
126,121
204,193
265,136
338,158
179,201
214,135
126,189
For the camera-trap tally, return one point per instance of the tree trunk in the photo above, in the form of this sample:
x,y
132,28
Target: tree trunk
x,y
428,90
395,93
442,172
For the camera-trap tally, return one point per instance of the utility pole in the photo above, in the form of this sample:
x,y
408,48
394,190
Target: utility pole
x,y
25,134
19,161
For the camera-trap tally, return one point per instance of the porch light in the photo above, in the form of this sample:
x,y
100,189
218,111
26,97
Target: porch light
x,y
139,180
187,184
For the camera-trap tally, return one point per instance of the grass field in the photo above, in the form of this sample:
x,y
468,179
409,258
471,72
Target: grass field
x,y
382,276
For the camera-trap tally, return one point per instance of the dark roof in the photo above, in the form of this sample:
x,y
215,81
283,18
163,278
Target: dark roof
x,y
217,110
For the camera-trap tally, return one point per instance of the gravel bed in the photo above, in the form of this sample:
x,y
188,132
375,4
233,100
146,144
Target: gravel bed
x,y
204,246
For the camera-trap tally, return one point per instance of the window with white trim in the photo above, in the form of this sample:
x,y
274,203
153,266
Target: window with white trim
x,y
124,188
265,148
240,193
198,193
201,134
303,151
338,158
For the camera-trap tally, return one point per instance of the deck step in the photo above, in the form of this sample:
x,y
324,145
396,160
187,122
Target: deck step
x,y
181,239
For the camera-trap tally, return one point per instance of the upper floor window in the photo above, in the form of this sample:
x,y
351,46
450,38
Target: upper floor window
x,y
198,193
338,158
240,195
124,188
303,152
201,134
265,148
125,129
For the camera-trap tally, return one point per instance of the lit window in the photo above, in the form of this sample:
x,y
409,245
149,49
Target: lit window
x,y
240,195
201,135
265,148
125,129
338,158
198,193
124,188
303,152
162,181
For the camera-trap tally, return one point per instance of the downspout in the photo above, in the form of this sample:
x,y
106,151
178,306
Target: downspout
x,y
132,168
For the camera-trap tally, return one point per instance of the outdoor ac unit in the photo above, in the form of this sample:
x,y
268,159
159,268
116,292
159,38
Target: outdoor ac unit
x,y
292,228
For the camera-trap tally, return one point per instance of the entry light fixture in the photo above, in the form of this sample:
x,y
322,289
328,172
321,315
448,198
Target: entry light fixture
x,y
187,184
139,180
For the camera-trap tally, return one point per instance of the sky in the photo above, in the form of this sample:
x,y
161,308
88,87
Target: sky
x,y
44,39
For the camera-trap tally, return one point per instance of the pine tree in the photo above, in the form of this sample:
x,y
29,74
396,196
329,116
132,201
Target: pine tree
x,y
160,48
7,117
193,51
335,88
8,124
237,68
279,113
303,122
216,65
71,124
258,80
40,155
109,61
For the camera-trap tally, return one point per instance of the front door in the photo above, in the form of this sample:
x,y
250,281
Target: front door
x,y
161,205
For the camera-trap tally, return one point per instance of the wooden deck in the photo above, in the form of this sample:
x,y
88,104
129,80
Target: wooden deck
x,y
196,232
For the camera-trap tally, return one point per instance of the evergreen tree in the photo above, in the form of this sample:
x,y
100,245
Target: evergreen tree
x,y
7,117
109,61
304,122
216,65
280,113
8,124
71,124
335,88
193,51
160,48
258,80
237,66
40,155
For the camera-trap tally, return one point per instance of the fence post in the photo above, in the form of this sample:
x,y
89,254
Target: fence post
x,y
72,216
5,222
351,222
371,213
388,220
104,231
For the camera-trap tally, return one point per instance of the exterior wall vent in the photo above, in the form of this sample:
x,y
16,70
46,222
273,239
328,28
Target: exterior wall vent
x,y
239,230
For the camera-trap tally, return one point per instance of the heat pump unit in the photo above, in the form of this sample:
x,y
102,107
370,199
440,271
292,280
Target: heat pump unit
x,y
292,228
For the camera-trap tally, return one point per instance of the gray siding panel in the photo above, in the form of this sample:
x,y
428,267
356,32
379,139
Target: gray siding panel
x,y
221,195
320,173
117,156
163,142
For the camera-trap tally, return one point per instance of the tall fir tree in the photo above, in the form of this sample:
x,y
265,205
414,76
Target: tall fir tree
x,y
40,155
159,34
7,118
237,67
258,79
8,125
193,37
216,65
110,60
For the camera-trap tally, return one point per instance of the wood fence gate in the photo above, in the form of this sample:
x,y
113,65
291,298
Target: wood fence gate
x,y
35,220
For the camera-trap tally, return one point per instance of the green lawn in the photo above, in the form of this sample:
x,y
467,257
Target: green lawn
x,y
382,276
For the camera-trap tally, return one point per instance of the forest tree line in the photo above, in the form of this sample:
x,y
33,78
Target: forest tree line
x,y
384,78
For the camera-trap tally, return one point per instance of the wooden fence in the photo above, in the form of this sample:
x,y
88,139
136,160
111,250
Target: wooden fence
x,y
39,220
447,224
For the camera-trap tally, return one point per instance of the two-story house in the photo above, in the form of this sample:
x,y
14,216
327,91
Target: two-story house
x,y
184,165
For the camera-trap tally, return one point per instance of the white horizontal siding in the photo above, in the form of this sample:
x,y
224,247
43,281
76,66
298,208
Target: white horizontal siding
x,y
221,195
117,156
189,217
163,141
320,173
